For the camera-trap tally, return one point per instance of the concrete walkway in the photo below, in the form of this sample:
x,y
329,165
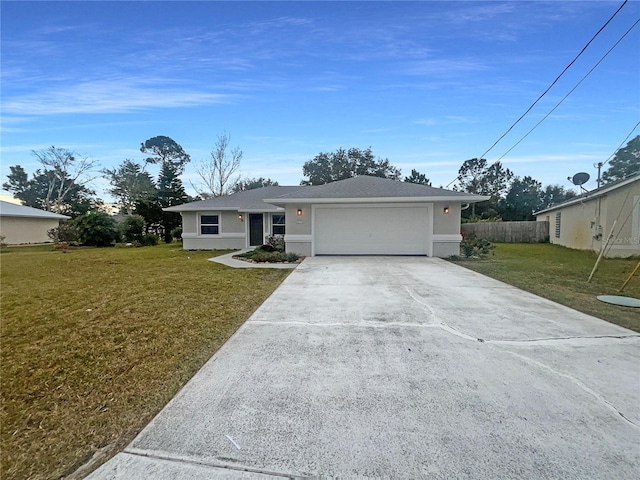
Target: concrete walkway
x,y
229,261
378,367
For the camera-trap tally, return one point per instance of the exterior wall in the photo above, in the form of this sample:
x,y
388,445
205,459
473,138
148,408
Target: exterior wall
x,y
20,230
446,229
298,229
445,239
585,225
624,205
232,230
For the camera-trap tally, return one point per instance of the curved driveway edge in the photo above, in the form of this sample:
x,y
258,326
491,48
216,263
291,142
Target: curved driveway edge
x,y
402,367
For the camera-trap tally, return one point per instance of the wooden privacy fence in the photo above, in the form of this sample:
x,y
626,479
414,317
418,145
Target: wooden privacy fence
x,y
509,232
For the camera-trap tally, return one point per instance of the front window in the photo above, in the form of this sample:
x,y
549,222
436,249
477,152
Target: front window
x,y
277,224
209,225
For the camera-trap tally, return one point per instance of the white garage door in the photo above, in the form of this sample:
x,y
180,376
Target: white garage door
x,y
366,230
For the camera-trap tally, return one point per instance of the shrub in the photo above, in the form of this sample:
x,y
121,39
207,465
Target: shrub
x,y
267,248
97,229
261,256
64,233
132,228
276,242
149,240
472,246
176,233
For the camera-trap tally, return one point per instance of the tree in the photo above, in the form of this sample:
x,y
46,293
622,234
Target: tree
x,y
37,192
165,150
253,183
342,164
130,185
470,175
53,187
417,177
523,198
554,194
170,192
475,176
625,162
217,171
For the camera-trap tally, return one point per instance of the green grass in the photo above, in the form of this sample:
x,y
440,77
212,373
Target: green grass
x,y
560,274
96,341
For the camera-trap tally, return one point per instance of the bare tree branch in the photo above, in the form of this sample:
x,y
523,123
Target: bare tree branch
x,y
217,172
64,170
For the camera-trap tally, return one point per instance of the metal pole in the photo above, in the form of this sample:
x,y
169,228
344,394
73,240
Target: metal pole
x,y
628,279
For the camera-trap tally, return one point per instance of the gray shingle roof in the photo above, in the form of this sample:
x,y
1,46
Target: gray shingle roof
x,y
241,201
366,187
8,209
363,187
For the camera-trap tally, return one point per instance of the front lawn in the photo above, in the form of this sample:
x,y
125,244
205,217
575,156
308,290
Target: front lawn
x,y
560,274
96,341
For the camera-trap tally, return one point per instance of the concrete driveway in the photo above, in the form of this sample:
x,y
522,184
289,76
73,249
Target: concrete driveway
x,y
402,367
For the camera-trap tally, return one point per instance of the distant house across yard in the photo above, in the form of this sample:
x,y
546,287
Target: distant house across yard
x,y
584,222
21,225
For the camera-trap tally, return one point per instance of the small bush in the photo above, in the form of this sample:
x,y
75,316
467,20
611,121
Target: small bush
x,y
261,256
97,229
276,242
472,246
64,233
132,228
176,233
267,248
150,240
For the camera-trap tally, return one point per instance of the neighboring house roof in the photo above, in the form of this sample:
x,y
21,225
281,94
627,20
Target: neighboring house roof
x,y
8,209
246,201
368,189
598,192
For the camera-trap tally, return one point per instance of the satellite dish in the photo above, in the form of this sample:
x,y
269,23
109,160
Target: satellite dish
x,y
580,178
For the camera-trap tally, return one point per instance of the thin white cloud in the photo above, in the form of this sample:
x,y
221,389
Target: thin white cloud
x,y
110,96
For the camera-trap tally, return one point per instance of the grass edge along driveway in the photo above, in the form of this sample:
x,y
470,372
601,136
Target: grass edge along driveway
x,y
96,341
560,274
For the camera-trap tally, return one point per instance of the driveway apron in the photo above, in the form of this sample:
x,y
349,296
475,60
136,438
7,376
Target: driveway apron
x,y
402,367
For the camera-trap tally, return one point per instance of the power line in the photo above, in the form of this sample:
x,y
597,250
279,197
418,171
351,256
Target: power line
x,y
620,146
556,80
570,91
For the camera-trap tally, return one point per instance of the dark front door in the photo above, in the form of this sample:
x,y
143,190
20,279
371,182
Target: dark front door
x,y
255,229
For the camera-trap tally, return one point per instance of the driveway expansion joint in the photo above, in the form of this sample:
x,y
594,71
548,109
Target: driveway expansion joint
x,y
169,457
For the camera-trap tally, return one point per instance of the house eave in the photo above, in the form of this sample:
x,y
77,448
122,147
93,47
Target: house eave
x,y
588,196
452,198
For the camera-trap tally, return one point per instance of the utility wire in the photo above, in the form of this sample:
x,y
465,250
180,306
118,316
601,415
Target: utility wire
x,y
620,146
556,80
570,91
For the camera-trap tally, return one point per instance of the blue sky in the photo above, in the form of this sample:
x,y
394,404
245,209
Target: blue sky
x,y
425,84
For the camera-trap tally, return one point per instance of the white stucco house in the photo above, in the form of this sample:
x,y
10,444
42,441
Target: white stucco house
x,y
22,225
584,222
357,216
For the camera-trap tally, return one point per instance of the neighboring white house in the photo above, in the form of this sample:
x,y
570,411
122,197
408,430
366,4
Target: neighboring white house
x,y
357,216
20,224
584,222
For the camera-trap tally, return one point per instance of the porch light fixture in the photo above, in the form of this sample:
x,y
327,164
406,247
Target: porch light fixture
x,y
446,210
240,217
299,212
